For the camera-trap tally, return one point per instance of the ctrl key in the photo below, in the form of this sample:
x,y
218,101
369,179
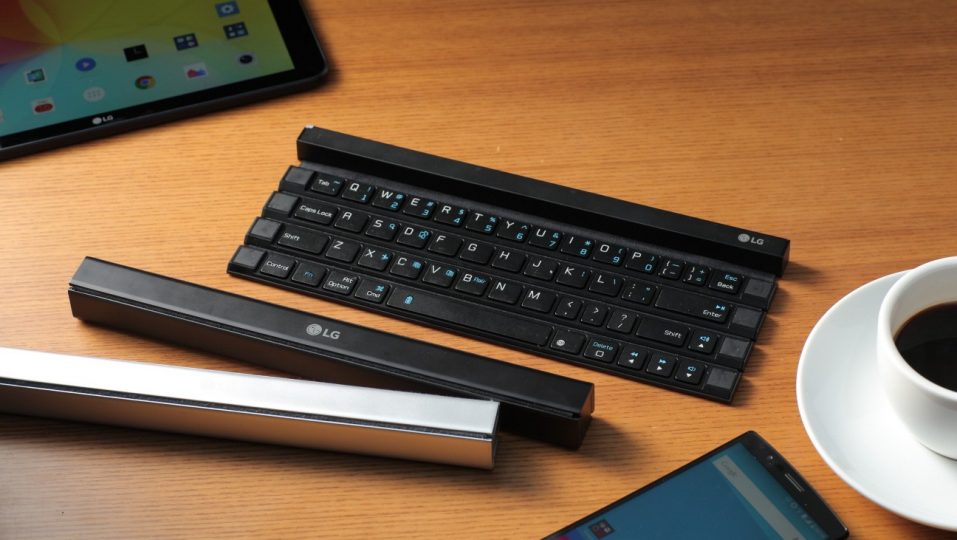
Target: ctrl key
x,y
278,266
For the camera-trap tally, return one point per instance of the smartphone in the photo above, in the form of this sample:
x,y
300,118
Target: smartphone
x,y
72,70
743,489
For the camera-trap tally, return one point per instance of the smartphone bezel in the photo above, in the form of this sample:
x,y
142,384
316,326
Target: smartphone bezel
x,y
777,466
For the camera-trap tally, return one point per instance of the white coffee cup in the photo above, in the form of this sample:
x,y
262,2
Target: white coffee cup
x,y
927,409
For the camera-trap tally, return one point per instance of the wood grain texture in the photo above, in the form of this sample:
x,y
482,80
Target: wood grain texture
x,y
832,123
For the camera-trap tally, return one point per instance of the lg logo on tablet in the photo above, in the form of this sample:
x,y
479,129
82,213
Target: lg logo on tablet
x,y
319,331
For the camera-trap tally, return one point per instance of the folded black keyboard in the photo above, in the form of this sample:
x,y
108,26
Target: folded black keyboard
x,y
643,293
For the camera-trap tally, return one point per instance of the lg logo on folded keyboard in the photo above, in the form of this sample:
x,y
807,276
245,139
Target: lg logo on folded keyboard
x,y
318,330
746,238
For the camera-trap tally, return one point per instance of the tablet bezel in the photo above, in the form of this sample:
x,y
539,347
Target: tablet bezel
x,y
299,38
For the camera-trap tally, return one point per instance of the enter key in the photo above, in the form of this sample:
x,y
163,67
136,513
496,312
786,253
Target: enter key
x,y
694,305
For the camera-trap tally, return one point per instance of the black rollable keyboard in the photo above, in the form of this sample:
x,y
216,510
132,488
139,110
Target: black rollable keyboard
x,y
636,291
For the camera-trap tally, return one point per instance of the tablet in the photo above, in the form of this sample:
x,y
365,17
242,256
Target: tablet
x,y
72,70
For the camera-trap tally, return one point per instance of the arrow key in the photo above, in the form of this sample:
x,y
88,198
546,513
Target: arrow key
x,y
690,372
661,364
632,357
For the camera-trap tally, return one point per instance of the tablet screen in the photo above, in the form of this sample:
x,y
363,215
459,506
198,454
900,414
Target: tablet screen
x,y
89,62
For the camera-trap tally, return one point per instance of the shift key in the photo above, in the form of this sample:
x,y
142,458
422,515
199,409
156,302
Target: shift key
x,y
663,331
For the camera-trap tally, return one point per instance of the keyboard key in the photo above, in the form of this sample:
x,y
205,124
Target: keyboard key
x,y
606,284
416,237
671,269
505,291
281,204
308,274
419,207
471,283
343,250
733,352
570,342
351,221
642,262
513,230
407,267
447,245
340,282
468,314
720,382
568,308
357,191
264,229
302,239
375,258
316,212
382,229
545,238
388,199
578,246
694,305
609,254
247,257
450,215
639,292
298,177
436,274
277,265
690,372
632,357
574,276
601,349
702,342
622,321
372,291
663,331
327,184
661,364
594,314
696,275
725,282
508,260
477,252
483,223
539,300
746,321
758,291
541,268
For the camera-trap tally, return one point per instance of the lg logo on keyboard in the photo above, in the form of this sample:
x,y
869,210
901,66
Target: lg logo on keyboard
x,y
318,330
746,238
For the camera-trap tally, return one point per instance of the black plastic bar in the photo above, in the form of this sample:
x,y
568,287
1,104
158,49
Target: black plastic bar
x,y
534,403
751,249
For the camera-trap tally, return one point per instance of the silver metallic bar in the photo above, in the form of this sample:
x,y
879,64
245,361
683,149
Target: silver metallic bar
x,y
423,427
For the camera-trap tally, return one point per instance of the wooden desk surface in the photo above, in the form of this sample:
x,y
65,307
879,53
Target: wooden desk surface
x,y
830,123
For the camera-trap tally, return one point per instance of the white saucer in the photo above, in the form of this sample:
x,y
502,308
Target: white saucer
x,y
853,427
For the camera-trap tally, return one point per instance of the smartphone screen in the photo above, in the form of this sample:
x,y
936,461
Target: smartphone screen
x,y
734,492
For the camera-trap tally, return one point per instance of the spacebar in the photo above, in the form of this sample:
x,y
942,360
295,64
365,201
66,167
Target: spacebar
x,y
470,315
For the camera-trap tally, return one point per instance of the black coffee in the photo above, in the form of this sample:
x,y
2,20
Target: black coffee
x,y
928,341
